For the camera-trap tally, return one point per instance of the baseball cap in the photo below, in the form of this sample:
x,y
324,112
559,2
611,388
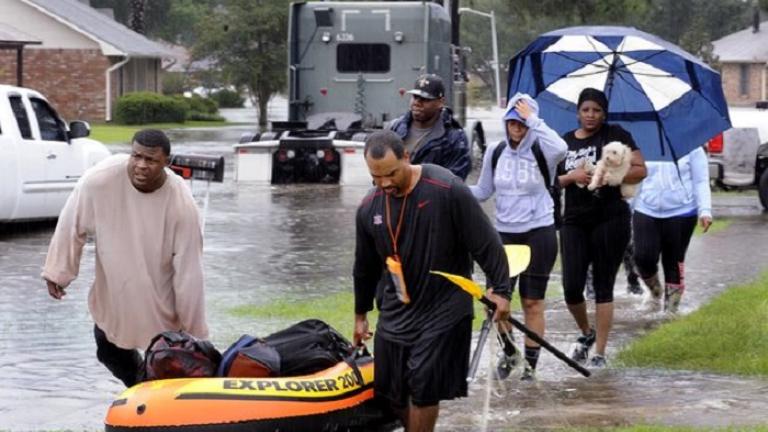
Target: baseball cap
x,y
512,114
428,86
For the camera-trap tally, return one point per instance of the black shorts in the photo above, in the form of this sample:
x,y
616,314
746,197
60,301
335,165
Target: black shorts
x,y
543,244
430,370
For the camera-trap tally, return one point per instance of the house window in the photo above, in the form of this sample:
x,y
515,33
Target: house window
x,y
22,119
51,127
744,79
362,58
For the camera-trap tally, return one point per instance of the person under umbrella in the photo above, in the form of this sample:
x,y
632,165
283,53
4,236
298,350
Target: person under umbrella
x,y
596,226
671,200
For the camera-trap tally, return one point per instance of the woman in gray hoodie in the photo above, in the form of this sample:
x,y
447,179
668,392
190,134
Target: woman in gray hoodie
x,y
524,212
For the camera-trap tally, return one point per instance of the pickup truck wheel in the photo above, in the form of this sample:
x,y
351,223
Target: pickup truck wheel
x,y
763,189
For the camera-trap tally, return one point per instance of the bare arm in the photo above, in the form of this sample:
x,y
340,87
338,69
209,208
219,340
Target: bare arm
x,y
578,175
637,170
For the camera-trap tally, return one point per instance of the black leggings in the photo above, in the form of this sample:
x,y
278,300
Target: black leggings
x,y
543,244
125,364
602,245
668,237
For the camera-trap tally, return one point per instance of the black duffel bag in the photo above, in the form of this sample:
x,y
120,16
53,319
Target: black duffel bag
x,y
308,347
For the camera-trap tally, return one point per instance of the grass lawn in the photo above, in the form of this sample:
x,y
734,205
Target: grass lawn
x,y
729,335
745,192
122,134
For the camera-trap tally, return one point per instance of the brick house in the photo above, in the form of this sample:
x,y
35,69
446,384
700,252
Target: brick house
x,y
743,57
85,59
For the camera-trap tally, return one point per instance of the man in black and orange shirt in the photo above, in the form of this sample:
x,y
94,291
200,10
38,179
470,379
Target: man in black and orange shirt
x,y
420,218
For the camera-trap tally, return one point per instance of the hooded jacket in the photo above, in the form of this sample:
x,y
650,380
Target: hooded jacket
x,y
522,199
666,193
450,150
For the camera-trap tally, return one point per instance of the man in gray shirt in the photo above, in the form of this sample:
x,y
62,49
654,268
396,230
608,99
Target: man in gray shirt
x,y
429,131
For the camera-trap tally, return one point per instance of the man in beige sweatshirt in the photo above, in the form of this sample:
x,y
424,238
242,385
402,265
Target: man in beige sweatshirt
x,y
149,273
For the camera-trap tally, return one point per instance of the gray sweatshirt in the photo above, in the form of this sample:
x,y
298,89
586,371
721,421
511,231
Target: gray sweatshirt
x,y
522,200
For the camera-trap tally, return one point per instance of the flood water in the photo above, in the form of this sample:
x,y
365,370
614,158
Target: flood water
x,y
296,242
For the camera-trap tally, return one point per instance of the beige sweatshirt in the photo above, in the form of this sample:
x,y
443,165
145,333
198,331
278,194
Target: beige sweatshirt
x,y
149,273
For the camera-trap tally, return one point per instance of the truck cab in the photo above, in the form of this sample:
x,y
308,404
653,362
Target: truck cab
x,y
41,157
361,57
349,67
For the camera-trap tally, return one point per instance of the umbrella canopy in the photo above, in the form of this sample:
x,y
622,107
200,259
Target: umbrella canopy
x,y
668,99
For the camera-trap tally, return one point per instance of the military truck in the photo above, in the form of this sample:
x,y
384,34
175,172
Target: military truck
x,y
350,65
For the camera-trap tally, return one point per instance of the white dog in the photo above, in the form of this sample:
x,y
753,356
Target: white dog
x,y
612,167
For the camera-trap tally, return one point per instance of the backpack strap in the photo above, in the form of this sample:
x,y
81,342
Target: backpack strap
x,y
232,351
541,161
496,155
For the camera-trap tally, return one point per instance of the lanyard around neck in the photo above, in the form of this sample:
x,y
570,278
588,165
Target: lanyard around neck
x,y
396,234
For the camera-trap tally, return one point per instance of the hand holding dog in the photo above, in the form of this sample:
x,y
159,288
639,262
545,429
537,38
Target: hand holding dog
x,y
581,177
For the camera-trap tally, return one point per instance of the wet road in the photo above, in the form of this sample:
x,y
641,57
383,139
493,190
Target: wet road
x,y
561,397
287,242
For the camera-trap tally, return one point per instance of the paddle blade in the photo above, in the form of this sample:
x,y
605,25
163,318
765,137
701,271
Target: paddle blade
x,y
518,257
466,284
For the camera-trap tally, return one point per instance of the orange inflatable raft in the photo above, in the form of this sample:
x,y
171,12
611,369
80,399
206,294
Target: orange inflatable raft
x,y
337,399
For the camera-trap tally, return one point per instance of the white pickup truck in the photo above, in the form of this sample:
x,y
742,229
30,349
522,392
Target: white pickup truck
x,y
41,157
738,158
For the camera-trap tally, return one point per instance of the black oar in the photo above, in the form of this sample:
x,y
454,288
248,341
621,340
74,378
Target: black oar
x,y
484,330
475,291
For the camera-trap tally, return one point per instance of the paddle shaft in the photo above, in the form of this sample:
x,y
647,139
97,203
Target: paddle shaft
x,y
484,330
539,340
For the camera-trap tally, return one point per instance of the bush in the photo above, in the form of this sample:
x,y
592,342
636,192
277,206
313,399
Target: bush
x,y
174,83
146,107
203,105
228,98
199,108
479,94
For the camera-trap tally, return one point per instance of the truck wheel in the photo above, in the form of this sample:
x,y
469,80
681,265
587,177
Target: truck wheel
x,y
763,189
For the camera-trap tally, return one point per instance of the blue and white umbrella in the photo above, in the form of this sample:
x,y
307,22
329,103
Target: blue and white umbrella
x,y
668,99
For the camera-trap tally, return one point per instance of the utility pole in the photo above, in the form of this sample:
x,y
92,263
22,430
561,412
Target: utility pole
x,y
459,64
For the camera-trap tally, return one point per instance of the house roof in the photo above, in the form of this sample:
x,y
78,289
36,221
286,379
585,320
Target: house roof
x,y
13,36
114,38
745,46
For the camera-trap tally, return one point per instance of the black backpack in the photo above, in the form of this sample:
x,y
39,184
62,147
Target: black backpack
x,y
177,354
308,347
553,187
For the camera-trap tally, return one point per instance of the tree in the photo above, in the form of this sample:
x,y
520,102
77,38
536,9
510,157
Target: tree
x,y
137,16
181,20
521,21
174,21
693,24
247,41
